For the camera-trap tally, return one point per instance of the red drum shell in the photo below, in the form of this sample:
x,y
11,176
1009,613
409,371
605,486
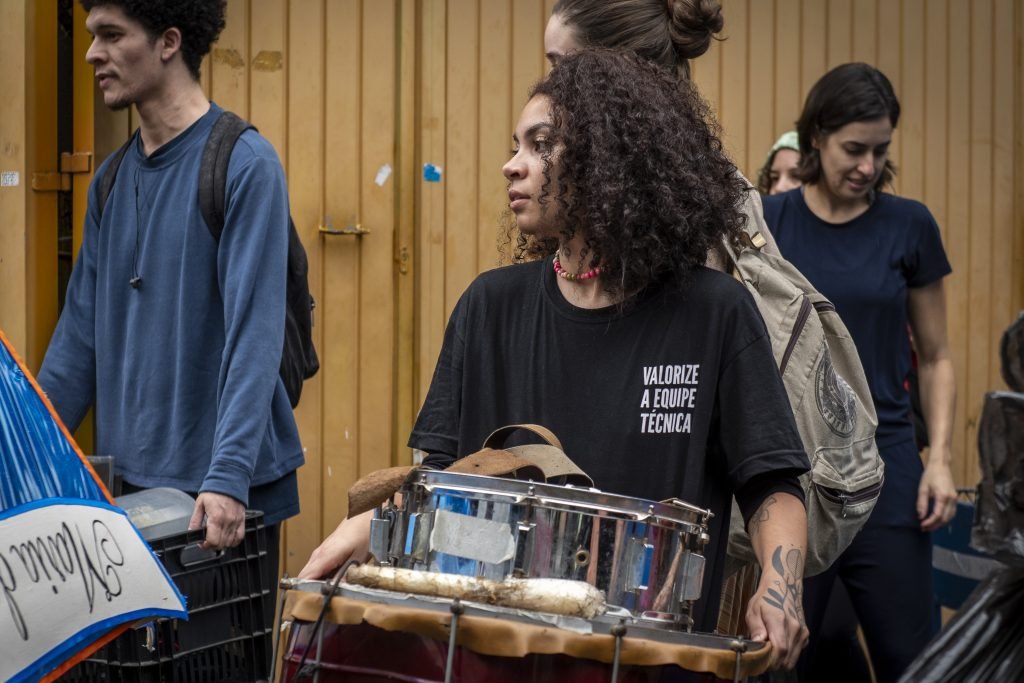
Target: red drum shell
x,y
370,635
367,654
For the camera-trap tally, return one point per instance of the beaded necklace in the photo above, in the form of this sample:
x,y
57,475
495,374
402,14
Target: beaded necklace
x,y
574,277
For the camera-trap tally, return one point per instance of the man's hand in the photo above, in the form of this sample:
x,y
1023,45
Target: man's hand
x,y
350,540
224,519
775,612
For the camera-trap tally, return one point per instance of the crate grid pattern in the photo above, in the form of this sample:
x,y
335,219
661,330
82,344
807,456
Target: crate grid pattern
x,y
227,637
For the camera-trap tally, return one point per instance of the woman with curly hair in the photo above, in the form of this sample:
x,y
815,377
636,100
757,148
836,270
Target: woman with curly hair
x,y
655,372
666,32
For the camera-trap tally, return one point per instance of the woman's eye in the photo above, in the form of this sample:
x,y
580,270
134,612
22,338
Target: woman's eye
x,y
540,145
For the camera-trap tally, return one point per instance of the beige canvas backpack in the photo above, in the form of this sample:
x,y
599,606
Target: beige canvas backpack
x,y
830,399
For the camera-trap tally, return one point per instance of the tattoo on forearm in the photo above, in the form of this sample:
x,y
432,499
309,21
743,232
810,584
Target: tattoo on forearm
x,y
787,595
761,516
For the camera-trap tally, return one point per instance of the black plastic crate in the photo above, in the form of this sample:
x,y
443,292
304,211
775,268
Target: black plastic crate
x,y
227,637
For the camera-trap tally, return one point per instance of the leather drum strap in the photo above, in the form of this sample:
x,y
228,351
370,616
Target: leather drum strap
x,y
377,487
557,467
531,462
499,436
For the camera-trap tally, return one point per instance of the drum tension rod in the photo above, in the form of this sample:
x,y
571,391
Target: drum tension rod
x,y
280,617
619,631
457,611
739,647
304,671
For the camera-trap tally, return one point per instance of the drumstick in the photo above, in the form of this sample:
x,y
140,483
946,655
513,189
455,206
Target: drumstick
x,y
555,596
661,601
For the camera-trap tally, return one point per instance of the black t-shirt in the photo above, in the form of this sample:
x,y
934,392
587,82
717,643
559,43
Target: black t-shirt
x,y
677,395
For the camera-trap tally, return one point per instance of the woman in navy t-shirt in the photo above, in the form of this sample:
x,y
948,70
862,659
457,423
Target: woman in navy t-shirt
x,y
880,259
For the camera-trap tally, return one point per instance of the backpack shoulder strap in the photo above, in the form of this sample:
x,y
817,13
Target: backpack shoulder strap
x,y
213,169
110,175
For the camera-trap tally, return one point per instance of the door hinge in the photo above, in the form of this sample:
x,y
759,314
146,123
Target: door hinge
x,y
51,182
70,163
75,162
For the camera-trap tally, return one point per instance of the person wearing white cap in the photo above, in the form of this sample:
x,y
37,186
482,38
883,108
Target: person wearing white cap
x,y
778,174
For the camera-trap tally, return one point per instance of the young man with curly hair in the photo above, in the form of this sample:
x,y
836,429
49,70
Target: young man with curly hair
x,y
655,372
174,336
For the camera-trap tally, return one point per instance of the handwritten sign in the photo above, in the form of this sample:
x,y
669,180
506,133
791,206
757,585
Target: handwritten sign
x,y
70,570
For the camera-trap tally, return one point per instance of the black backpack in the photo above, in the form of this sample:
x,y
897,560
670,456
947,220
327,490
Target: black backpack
x,y
299,361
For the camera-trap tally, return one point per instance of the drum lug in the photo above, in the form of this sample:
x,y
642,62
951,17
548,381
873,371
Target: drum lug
x,y
399,523
690,576
380,534
417,542
641,555
524,549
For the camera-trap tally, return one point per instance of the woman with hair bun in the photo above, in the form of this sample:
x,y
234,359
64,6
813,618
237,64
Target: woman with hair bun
x,y
667,32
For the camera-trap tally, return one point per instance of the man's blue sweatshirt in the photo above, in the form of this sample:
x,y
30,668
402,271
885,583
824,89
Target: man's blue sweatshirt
x,y
183,371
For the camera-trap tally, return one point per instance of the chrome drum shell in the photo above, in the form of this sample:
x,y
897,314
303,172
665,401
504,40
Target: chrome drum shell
x,y
647,557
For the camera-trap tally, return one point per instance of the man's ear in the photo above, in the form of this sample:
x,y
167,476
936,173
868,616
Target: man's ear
x,y
171,44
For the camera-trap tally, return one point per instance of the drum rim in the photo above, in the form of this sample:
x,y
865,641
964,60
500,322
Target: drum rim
x,y
571,498
600,625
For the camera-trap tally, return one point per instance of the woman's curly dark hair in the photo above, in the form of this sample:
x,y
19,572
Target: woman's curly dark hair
x,y
200,22
642,169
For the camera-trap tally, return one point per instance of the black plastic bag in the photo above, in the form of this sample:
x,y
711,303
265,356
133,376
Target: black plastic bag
x,y
1011,353
999,521
983,641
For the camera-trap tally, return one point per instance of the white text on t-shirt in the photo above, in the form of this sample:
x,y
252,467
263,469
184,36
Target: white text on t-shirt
x,y
671,388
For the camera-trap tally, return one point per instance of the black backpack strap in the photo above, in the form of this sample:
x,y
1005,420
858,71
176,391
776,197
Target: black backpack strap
x,y
213,169
110,175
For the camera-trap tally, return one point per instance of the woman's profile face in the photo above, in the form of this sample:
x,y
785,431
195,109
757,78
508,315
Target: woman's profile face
x,y
559,39
533,165
853,157
782,172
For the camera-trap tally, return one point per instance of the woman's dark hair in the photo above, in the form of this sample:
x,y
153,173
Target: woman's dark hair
x,y
847,94
641,171
200,22
669,32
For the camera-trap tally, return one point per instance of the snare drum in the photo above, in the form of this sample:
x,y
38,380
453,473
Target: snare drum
x,y
372,636
647,557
